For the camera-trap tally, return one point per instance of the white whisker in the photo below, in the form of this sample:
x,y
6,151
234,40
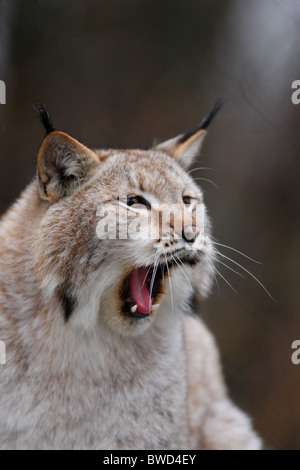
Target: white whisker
x,y
162,268
208,181
231,269
237,251
153,278
146,277
213,271
246,270
200,168
171,292
181,269
224,279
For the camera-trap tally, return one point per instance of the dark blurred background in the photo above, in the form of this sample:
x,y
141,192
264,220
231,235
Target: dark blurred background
x,y
116,73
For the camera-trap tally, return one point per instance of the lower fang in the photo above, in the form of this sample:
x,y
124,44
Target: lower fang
x,y
154,307
133,309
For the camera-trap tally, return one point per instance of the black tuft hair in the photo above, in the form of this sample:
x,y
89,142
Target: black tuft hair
x,y
212,113
205,121
45,118
68,300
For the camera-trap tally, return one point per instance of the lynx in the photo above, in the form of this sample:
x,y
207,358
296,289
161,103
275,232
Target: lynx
x,y
104,347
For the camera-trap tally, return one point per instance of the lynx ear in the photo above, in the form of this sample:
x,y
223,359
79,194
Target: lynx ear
x,y
185,147
63,165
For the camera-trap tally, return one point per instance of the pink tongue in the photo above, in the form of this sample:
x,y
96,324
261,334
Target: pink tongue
x,y
139,290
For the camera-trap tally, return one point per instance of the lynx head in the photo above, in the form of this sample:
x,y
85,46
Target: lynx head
x,y
124,238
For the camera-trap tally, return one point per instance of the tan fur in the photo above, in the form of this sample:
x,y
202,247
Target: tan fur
x,y
101,379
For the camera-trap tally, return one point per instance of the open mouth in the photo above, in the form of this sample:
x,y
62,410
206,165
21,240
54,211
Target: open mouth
x,y
143,286
141,290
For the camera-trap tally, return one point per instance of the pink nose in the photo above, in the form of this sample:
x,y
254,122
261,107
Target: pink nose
x,y
190,233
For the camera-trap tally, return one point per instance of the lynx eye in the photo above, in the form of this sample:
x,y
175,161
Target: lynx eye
x,y
187,200
137,202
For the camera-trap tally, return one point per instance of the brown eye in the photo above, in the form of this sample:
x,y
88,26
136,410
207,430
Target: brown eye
x,y
137,202
187,200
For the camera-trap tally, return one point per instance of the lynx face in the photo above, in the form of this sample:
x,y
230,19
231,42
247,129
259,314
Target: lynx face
x,y
124,282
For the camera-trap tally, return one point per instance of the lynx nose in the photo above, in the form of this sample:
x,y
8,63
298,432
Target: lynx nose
x,y
190,233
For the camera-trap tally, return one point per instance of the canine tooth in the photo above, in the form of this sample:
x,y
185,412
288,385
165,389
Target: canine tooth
x,y
133,309
154,307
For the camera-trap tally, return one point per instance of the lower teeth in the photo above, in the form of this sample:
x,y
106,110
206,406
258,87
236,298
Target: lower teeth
x,y
133,309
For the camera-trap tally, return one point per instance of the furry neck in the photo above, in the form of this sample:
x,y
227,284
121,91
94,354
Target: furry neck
x,y
36,321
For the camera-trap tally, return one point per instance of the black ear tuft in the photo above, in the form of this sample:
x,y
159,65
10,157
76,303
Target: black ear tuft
x,y
205,121
45,118
212,113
